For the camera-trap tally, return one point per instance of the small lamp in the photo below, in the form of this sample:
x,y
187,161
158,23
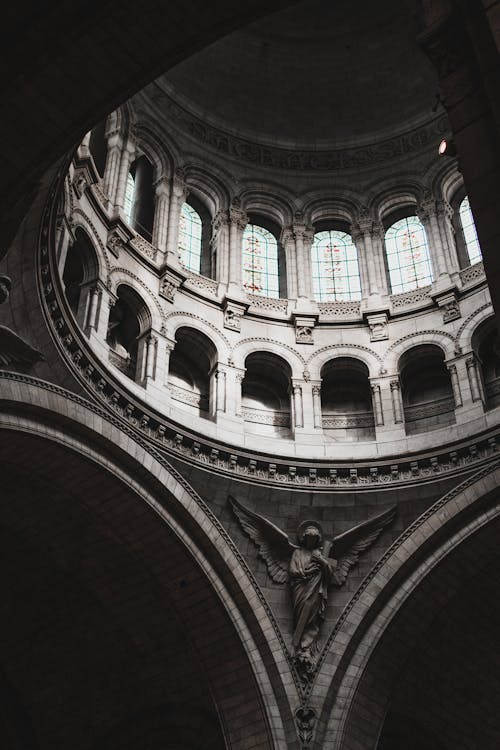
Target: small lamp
x,y
447,148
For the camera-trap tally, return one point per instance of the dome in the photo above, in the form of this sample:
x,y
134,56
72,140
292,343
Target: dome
x,y
248,302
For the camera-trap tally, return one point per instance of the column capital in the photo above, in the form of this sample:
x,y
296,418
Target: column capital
x,y
237,217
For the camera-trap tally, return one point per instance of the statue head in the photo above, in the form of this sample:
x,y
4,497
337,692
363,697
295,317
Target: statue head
x,y
310,534
5,287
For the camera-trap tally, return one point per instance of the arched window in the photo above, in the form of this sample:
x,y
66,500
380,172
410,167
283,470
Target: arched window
x,y
260,262
190,231
470,234
129,197
335,267
407,255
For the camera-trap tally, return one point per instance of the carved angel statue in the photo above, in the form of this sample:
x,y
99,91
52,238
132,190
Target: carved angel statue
x,y
310,567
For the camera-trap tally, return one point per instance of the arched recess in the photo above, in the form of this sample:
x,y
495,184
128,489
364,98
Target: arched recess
x,y
127,536
191,375
485,345
79,275
426,389
434,562
265,394
128,326
346,401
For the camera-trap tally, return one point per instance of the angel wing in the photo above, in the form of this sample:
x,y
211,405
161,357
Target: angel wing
x,y
347,547
275,548
14,350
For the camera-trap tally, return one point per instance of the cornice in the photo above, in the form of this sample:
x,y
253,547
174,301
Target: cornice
x,y
311,159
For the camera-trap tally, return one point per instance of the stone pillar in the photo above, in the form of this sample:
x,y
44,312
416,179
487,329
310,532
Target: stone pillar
x,y
220,246
397,401
220,377
237,223
378,412
359,240
178,195
363,237
445,216
288,242
466,60
112,168
317,413
303,242
127,158
474,381
238,380
378,250
455,385
297,411
93,308
427,213
160,223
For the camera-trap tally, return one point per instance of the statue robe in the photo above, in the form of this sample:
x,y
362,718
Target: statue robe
x,y
309,581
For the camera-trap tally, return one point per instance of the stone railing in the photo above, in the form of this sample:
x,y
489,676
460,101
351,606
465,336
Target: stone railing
x,y
266,416
347,421
268,303
202,282
185,396
429,409
340,309
143,246
415,297
472,273
126,365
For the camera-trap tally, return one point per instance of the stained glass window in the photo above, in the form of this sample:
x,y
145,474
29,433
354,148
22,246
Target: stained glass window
x,y
335,274
129,197
407,255
470,234
260,262
190,228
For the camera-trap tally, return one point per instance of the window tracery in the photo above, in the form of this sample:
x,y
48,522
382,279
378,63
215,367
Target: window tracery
x,y
470,234
260,262
407,254
335,267
190,233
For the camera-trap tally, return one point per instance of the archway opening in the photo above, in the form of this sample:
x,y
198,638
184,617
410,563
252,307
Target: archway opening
x,y
346,402
265,394
426,389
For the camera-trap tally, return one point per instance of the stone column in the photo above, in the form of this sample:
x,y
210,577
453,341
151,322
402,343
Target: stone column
x,y
220,246
127,157
178,196
303,242
362,235
378,412
474,381
397,401
359,241
377,245
220,377
317,413
237,223
288,242
427,213
93,308
455,385
445,216
238,379
160,223
298,415
112,168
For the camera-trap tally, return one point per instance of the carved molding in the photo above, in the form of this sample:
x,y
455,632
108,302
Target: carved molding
x,y
315,160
